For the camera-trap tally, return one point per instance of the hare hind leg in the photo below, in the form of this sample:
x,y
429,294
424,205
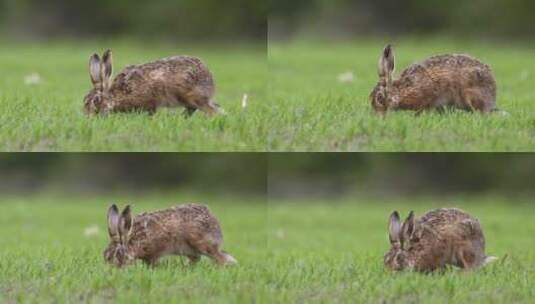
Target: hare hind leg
x,y
208,247
201,100
222,258
475,100
206,104
219,256
211,108
468,259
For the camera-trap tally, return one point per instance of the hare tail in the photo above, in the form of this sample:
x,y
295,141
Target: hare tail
x,y
489,259
229,260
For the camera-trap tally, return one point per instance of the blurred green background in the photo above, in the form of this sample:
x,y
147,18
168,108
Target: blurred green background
x,y
211,174
401,176
278,175
169,19
347,18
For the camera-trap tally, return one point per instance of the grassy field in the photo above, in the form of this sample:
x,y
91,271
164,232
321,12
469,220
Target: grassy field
x,y
315,111
333,254
48,256
296,104
289,252
48,116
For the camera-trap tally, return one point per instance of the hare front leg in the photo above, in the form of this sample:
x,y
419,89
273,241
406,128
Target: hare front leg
x,y
150,261
194,258
189,111
151,107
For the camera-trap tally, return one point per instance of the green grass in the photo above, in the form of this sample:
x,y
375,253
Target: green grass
x,y
316,112
332,253
289,252
45,256
49,116
296,102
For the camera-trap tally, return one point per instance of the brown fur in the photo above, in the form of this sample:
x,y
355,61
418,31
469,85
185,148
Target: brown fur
x,y
179,81
440,237
456,81
189,230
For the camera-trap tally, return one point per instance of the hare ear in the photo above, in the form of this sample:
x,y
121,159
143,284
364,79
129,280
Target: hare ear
x,y
394,227
386,64
107,69
113,222
125,224
408,226
95,71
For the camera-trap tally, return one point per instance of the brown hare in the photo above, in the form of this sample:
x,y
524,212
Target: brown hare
x,y
189,230
440,237
178,81
455,81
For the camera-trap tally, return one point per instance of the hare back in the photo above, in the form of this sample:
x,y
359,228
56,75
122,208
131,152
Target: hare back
x,y
452,72
171,81
175,230
450,222
447,80
441,234
451,63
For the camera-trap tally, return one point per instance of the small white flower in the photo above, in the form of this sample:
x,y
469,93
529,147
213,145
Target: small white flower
x,y
244,101
91,231
346,77
32,79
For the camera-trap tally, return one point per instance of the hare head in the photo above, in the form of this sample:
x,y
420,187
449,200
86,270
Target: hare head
x,y
119,228
398,257
100,72
382,96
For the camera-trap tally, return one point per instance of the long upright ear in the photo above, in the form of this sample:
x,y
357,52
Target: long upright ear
x,y
386,64
394,227
113,222
107,69
408,227
95,71
125,223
